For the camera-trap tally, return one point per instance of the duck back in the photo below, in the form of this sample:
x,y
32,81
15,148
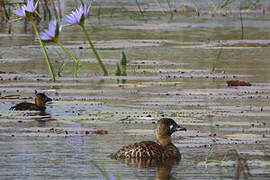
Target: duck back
x,y
27,106
144,150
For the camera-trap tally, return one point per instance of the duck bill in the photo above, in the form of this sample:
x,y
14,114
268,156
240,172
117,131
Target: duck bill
x,y
48,99
179,128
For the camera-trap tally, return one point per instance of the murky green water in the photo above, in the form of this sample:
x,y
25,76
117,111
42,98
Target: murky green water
x,y
170,63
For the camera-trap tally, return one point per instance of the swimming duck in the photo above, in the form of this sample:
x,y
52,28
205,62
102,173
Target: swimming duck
x,y
164,149
40,101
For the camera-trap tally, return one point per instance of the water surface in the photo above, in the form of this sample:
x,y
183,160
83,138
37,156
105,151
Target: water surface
x,y
170,74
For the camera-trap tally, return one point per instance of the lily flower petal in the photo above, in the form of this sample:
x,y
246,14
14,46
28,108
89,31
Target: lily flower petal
x,y
77,15
51,33
20,12
28,7
86,8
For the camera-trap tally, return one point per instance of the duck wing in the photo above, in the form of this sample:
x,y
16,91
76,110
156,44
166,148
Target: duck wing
x,y
144,150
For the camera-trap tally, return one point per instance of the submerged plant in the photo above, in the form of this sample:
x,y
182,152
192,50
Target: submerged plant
x,y
27,11
52,35
78,17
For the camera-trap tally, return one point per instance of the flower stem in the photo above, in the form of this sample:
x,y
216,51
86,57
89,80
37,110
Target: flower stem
x,y
44,50
69,53
95,52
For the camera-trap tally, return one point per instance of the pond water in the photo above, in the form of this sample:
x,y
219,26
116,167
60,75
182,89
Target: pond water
x,y
177,67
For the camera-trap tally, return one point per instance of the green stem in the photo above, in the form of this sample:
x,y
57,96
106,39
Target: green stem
x,y
43,49
94,50
69,53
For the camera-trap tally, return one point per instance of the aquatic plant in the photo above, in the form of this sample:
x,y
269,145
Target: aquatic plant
x,y
240,162
78,17
27,11
209,153
117,71
121,71
60,69
52,35
220,4
245,4
123,62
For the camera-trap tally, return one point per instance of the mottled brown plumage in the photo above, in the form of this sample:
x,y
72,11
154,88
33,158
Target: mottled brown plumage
x,y
40,102
164,149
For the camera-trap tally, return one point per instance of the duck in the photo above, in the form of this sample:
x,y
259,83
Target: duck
x,y
162,149
40,102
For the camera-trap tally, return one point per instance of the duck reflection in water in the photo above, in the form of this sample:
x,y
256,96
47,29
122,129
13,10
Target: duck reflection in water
x,y
162,155
164,166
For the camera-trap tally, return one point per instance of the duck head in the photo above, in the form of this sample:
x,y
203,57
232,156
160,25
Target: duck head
x,y
41,99
165,128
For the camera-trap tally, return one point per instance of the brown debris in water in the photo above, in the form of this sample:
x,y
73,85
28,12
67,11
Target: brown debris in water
x,y
238,83
101,132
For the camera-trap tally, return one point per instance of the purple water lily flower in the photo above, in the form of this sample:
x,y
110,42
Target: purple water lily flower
x,y
77,16
29,7
51,33
111,177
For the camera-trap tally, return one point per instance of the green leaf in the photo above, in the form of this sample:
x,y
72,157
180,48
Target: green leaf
x,y
117,70
123,61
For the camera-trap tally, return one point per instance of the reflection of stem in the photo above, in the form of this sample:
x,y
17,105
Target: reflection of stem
x,y
169,5
5,10
94,50
102,170
44,50
161,8
217,60
139,7
242,26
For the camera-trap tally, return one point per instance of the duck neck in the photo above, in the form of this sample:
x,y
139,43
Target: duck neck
x,y
164,140
39,103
